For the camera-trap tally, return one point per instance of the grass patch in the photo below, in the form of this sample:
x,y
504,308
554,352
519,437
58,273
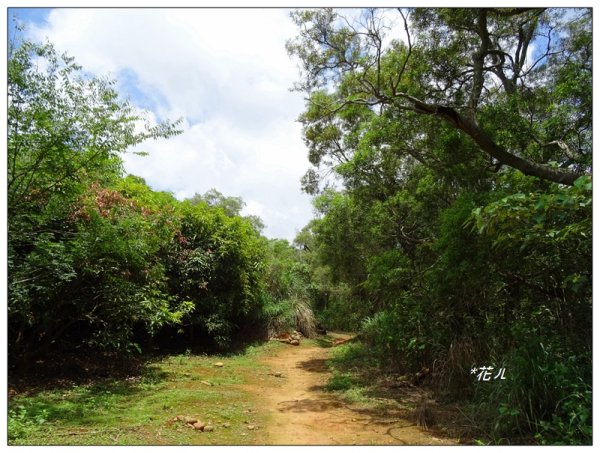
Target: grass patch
x,y
352,374
352,356
351,390
340,382
322,342
381,392
357,395
140,409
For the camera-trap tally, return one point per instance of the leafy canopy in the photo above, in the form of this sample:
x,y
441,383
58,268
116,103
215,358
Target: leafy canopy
x,y
514,83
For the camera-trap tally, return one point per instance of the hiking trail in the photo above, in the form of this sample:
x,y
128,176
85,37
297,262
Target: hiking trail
x,y
301,412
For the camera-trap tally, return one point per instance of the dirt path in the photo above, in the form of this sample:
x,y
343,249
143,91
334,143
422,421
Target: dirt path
x,y
302,413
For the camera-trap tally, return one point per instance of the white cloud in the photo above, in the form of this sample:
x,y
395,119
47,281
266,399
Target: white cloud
x,y
226,72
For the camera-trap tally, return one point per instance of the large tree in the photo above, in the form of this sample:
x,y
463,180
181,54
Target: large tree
x,y
461,227
515,82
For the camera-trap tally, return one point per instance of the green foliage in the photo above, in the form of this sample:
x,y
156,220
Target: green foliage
x,y
231,206
399,336
557,216
349,356
21,424
340,381
436,249
432,243
428,97
287,291
100,260
352,366
547,392
337,308
79,250
549,236
64,128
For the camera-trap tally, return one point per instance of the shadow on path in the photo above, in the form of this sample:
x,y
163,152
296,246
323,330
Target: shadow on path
x,y
309,405
314,365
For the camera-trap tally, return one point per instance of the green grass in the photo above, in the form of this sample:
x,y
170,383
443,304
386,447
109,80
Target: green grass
x,y
355,377
139,410
347,363
340,381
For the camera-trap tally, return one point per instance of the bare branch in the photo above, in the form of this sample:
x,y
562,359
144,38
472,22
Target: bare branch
x,y
408,53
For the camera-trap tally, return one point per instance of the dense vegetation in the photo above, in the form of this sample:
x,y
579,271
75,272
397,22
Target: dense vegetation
x,y
98,259
452,182
457,225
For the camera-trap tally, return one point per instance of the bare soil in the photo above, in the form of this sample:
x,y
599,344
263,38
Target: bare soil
x,y
300,412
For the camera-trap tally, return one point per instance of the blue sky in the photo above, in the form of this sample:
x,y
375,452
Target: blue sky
x,y
225,72
37,15
25,16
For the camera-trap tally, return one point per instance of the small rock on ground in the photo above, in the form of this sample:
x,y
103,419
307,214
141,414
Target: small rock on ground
x,y
199,426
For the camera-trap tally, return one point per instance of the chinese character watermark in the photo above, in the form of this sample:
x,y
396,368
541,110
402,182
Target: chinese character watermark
x,y
485,373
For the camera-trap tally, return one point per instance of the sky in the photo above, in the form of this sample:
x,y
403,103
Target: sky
x,y
226,73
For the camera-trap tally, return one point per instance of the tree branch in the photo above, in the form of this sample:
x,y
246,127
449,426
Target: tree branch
x,y
478,63
487,145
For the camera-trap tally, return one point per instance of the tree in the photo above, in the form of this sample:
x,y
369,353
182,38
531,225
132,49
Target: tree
x,y
64,126
450,256
516,82
216,262
67,231
231,206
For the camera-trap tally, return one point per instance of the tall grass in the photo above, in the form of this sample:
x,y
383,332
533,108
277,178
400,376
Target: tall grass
x,y
291,314
546,393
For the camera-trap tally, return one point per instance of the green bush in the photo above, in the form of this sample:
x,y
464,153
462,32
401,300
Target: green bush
x,y
101,260
547,392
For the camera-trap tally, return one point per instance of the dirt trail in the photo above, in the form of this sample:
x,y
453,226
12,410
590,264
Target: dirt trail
x,y
300,412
